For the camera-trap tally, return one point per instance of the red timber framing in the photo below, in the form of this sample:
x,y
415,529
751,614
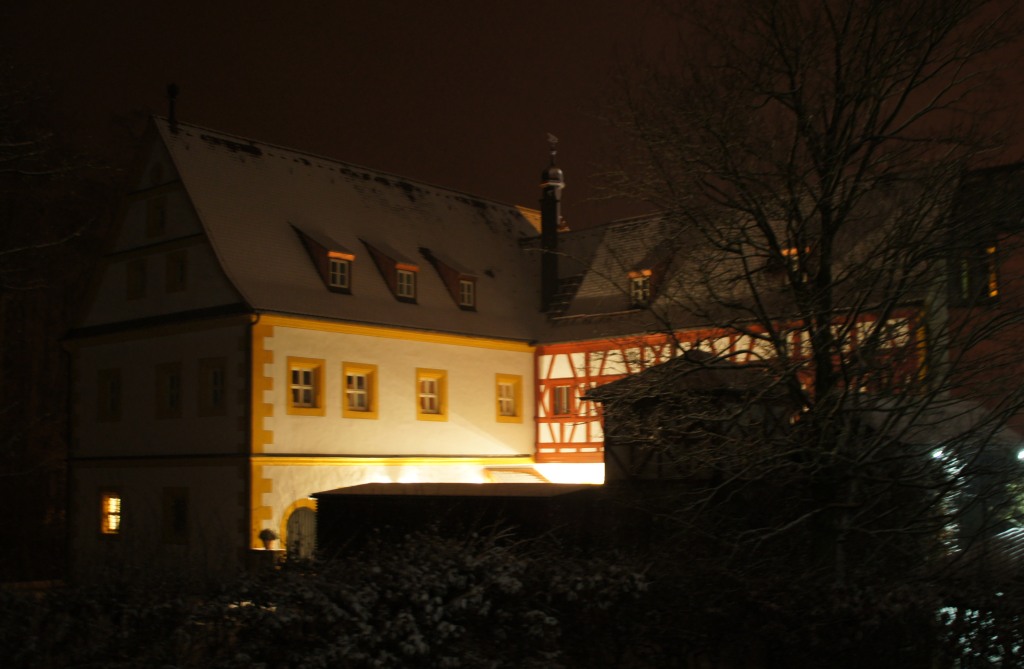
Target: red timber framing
x,y
570,429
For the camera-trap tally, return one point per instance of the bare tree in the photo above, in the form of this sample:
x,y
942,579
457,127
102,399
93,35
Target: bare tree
x,y
814,161
52,200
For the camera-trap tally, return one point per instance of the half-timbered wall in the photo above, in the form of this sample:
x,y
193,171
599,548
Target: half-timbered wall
x,y
569,429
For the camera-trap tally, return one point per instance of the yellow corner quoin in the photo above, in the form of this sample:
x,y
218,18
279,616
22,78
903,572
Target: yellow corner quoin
x,y
261,357
395,333
260,513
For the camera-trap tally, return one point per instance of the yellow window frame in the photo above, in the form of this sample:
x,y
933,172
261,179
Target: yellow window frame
x,y
316,367
440,377
369,372
515,381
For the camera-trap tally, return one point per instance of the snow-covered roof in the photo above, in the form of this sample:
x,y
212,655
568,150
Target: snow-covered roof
x,y
251,198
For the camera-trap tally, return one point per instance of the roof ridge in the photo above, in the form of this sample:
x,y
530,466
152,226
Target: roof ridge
x,y
398,178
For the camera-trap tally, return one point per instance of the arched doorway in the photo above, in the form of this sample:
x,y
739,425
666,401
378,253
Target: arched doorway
x,y
301,533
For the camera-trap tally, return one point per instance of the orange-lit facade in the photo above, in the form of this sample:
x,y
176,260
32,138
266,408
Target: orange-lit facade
x,y
577,435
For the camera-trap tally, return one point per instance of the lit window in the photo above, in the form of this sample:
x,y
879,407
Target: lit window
x,y
305,387
108,395
168,390
509,398
562,401
360,390
992,271
405,285
110,513
135,279
212,386
339,273
976,278
431,394
467,293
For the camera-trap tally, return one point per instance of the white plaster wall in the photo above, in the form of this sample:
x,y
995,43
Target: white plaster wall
x,y
471,428
139,432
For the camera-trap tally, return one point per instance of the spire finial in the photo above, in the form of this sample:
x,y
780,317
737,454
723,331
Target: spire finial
x,y
553,143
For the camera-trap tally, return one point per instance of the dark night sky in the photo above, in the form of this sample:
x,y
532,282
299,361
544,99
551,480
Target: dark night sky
x,y
457,93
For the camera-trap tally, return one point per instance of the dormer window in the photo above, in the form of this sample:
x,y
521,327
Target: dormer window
x,y
339,272
791,256
460,282
405,284
467,293
397,270
640,288
332,261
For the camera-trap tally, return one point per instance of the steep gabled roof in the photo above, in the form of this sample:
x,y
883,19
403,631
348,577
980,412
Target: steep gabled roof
x,y
251,197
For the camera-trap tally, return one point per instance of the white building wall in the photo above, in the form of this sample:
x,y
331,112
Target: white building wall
x,y
471,428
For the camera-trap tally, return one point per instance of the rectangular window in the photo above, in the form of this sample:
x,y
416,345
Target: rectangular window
x,y
339,273
110,513
976,276
168,390
467,293
360,399
305,386
174,525
431,394
175,272
991,272
794,262
135,279
212,387
108,395
562,404
509,398
405,285
640,290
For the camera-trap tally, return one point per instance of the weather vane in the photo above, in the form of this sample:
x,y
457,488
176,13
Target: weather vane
x,y
553,143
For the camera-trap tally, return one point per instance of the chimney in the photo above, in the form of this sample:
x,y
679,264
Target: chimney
x,y
551,183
